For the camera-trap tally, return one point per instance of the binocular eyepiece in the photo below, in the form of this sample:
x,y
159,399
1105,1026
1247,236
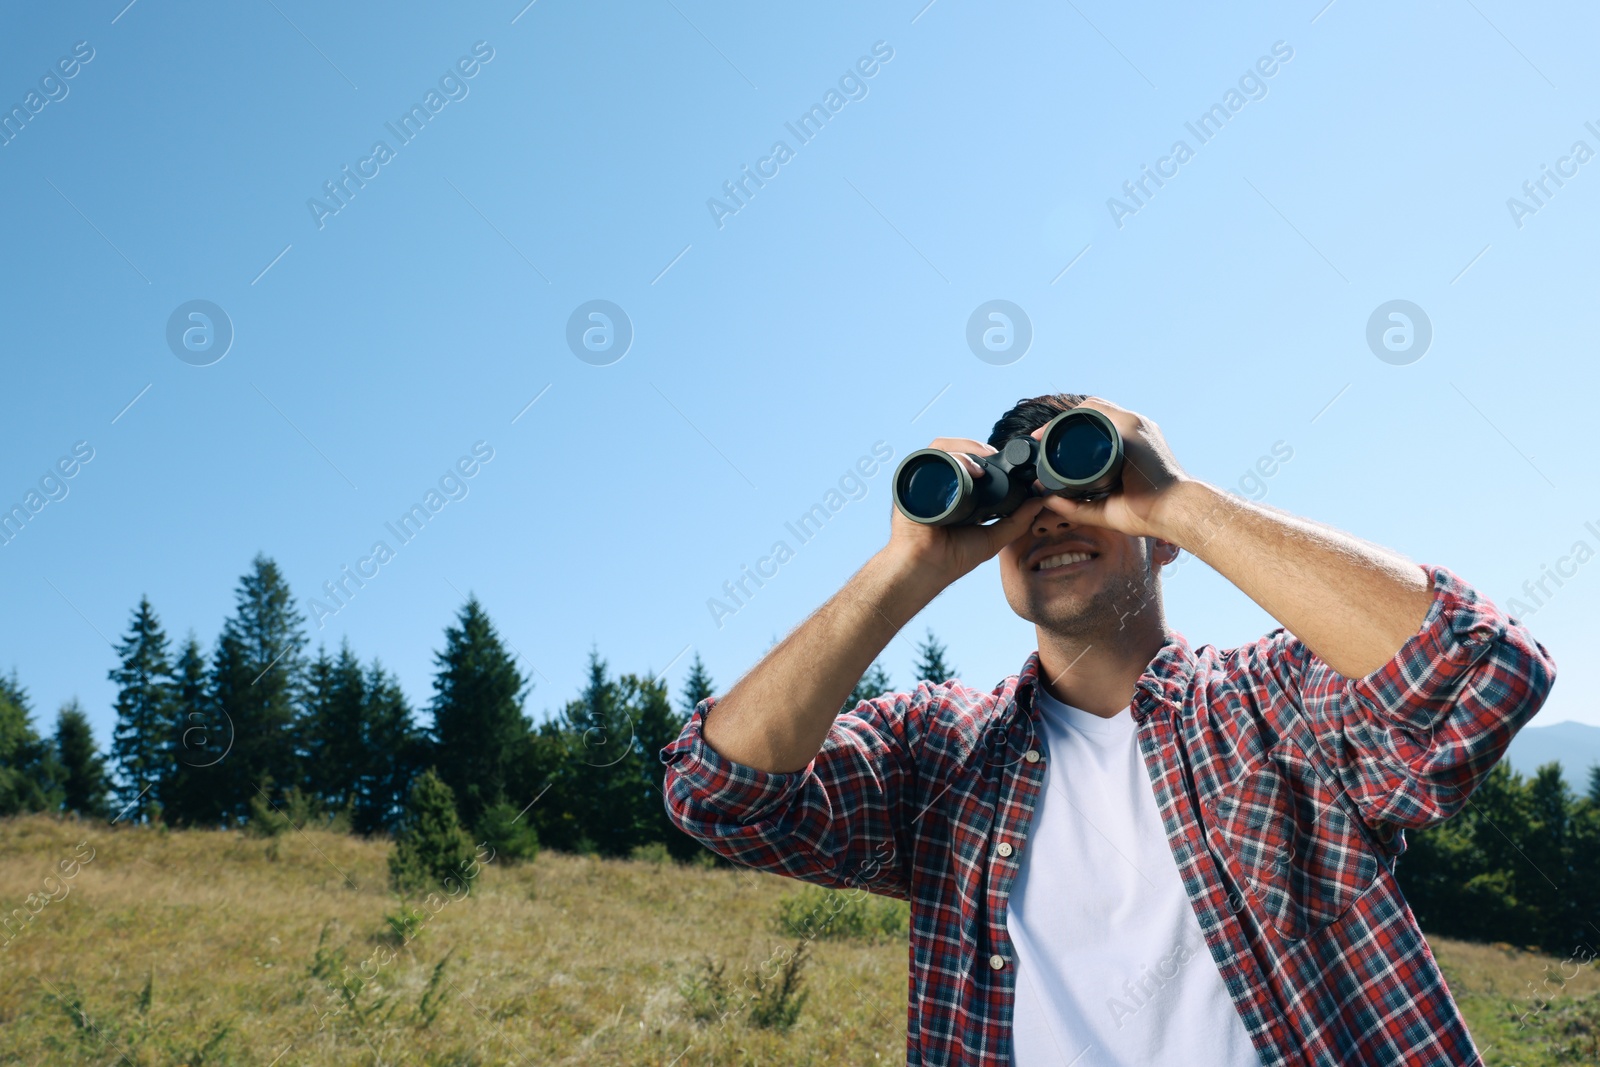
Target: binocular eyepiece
x,y
1079,455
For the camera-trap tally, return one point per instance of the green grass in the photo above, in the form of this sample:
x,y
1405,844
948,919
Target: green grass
x,y
203,947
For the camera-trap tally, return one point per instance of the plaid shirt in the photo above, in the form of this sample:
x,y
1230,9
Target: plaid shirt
x,y
1284,789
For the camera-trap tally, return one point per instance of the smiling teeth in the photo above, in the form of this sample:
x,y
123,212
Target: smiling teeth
x,y
1050,562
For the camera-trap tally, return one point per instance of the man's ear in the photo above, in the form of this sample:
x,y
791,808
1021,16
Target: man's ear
x,y
1163,553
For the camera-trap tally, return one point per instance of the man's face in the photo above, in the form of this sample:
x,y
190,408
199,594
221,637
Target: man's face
x,y
1078,580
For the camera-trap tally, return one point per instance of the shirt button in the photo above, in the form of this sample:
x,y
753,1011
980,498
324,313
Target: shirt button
x,y
996,962
1004,848
1032,755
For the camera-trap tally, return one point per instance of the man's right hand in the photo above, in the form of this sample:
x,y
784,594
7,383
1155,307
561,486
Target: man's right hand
x,y
778,715
939,555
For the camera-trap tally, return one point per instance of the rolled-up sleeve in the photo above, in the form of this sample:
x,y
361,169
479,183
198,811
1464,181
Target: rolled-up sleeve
x,y
840,821
1411,740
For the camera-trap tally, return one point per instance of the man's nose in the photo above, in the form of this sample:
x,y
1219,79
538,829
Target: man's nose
x,y
1049,522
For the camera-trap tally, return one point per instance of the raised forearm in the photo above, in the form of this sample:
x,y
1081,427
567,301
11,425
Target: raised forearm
x,y
1353,603
778,715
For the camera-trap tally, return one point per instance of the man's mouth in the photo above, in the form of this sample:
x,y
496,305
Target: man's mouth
x,y
1064,559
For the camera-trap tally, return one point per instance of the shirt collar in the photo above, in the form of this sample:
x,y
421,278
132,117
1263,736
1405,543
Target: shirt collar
x,y
1164,682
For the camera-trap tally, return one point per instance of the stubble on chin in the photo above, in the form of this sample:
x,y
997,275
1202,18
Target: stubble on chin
x,y
1103,613
1078,617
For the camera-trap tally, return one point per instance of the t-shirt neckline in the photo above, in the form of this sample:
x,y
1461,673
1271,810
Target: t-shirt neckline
x,y
1096,727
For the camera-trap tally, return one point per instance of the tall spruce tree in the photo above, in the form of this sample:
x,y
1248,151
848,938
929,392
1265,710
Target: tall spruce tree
x,y
696,687
598,783
478,723
257,678
1546,883
1585,848
141,742
331,734
199,741
931,665
392,747
30,776
84,783
657,726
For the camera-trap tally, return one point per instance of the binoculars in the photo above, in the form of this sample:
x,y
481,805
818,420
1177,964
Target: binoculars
x,y
1079,455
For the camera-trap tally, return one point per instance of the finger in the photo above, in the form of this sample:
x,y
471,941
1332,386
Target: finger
x,y
1089,513
1015,524
1105,407
974,468
963,444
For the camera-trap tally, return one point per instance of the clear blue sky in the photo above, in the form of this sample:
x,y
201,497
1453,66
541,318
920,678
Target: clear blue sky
x,y
770,353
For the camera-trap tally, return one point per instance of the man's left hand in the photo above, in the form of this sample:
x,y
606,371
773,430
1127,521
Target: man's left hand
x,y
1150,478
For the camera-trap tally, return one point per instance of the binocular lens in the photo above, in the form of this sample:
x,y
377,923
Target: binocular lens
x,y
928,487
1078,449
1079,454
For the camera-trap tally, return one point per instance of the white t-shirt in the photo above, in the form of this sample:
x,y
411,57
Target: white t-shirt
x,y
1112,968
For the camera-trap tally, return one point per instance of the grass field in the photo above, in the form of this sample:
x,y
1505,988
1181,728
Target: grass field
x,y
203,947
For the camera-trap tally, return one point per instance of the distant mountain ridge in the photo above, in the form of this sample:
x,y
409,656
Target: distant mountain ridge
x,y
1575,745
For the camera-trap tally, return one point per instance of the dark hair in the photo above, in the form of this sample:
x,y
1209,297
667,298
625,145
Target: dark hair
x,y
1029,414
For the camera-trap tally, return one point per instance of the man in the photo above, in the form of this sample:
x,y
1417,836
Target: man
x,y
1111,849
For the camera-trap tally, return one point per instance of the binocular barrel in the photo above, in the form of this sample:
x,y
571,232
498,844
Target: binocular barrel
x,y
1078,455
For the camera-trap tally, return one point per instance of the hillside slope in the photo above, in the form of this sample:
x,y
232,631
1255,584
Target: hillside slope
x,y
203,947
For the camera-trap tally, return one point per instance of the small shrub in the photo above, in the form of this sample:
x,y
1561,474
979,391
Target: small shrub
x,y
405,924
295,810
841,914
654,852
706,992
512,837
139,1031
355,1001
705,859
327,961
431,849
433,996
267,818
341,821
778,998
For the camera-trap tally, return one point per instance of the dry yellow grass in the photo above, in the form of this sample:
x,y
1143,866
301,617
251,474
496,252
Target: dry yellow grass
x,y
567,960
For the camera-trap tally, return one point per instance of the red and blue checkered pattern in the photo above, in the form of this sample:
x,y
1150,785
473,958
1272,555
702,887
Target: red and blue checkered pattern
x,y
1285,789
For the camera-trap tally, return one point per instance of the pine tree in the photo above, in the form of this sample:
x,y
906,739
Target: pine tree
x,y
331,729
477,712
1585,848
199,739
874,683
392,747
84,783
931,665
430,846
257,680
1547,849
30,777
141,744
697,686
658,725
599,781
508,832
